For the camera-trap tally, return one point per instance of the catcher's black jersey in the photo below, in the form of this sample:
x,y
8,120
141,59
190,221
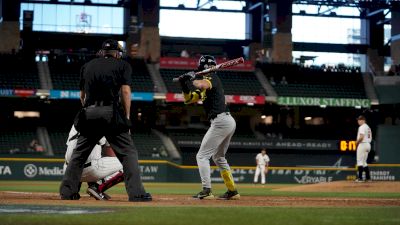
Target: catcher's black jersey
x,y
214,102
102,78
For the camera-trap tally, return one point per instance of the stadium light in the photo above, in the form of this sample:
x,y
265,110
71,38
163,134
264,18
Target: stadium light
x,y
23,114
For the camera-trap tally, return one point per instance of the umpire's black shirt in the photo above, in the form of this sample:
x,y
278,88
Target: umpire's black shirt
x,y
102,78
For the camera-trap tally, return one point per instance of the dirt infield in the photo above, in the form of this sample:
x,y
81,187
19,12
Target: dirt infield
x,y
347,186
40,198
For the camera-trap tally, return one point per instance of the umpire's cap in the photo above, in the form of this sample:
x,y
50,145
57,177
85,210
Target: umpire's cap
x,y
111,44
361,117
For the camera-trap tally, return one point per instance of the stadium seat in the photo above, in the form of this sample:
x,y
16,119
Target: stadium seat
x,y
15,76
65,75
314,82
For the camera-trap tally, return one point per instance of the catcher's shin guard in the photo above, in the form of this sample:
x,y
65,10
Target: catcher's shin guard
x,y
111,181
228,180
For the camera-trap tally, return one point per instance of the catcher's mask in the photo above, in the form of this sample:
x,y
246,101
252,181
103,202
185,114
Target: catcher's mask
x,y
205,62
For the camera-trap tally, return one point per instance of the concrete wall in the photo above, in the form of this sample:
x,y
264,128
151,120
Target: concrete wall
x,y
395,45
282,48
150,44
387,143
9,36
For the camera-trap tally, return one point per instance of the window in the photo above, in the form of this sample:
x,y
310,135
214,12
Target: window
x,y
327,30
329,58
202,24
206,4
314,9
319,29
76,18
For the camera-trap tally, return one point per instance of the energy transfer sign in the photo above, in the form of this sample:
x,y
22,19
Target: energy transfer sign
x,y
315,101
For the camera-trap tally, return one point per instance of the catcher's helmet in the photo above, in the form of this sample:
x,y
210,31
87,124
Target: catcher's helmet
x,y
205,62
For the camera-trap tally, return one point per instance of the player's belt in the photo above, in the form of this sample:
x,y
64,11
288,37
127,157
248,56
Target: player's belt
x,y
213,116
84,166
100,103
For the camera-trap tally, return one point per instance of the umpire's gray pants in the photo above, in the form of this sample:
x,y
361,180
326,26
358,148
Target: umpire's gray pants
x,y
215,144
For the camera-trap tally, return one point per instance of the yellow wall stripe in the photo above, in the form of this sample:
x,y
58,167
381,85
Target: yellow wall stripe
x,y
195,167
31,160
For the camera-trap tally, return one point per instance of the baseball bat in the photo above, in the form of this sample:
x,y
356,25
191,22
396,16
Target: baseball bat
x,y
223,65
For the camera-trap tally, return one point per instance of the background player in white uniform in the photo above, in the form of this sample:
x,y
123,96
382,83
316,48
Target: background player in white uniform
x,y
262,161
364,137
101,172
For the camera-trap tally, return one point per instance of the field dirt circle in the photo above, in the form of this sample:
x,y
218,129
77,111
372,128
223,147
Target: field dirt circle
x,y
41,198
347,186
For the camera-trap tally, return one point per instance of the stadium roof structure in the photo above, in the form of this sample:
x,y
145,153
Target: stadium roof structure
x,y
349,3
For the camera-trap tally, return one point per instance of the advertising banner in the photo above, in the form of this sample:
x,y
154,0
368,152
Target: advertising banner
x,y
73,94
64,94
24,93
50,170
191,63
142,96
174,97
292,144
17,93
6,92
165,171
231,99
315,101
297,175
244,99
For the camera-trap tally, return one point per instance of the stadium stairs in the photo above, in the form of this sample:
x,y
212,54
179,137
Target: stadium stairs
x,y
44,76
369,88
154,72
272,96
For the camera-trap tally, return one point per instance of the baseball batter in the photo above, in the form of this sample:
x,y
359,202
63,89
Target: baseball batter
x,y
262,161
364,137
216,141
100,172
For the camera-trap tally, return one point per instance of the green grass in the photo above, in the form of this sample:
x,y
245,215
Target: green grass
x,y
206,215
192,188
218,216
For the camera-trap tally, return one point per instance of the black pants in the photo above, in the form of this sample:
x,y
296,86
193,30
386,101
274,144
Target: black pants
x,y
98,122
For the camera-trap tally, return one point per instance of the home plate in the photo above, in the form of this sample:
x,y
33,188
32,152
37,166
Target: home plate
x,y
49,209
167,199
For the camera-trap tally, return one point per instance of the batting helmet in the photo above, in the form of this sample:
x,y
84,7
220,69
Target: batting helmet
x,y
205,62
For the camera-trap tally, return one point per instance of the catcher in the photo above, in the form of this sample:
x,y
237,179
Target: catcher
x,y
101,171
216,141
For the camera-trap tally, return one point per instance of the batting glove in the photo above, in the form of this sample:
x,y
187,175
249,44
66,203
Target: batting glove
x,y
189,75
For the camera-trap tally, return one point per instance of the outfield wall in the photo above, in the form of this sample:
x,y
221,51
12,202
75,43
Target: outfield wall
x,y
165,171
